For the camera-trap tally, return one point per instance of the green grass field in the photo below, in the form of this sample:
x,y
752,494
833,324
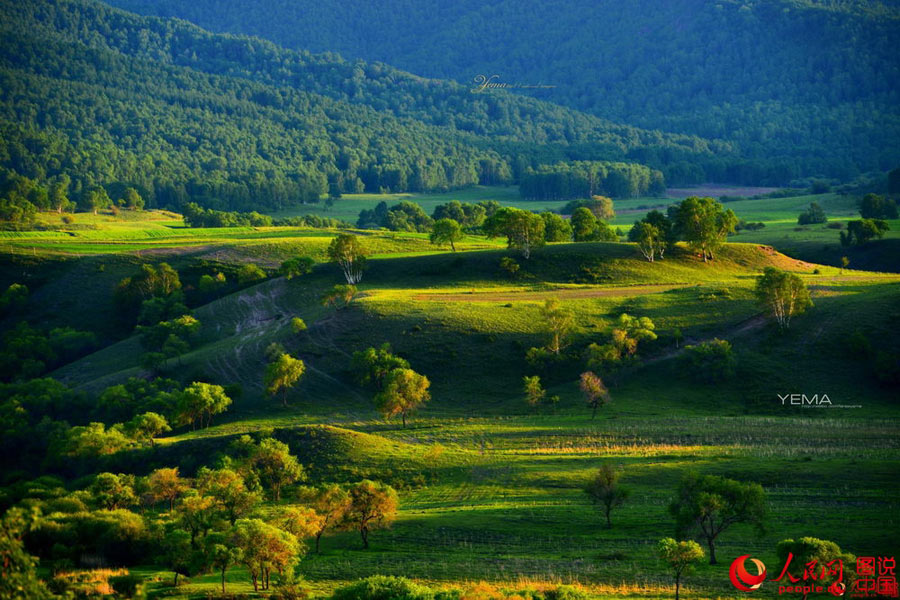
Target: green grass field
x,y
490,487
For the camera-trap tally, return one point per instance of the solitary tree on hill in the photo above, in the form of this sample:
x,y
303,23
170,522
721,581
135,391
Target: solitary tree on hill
x,y
404,392
446,231
604,490
347,251
282,374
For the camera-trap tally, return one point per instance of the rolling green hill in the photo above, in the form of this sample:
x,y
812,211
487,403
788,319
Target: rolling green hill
x,y
490,488
803,87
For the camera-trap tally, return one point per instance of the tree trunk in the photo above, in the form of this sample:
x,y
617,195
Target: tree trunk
x,y
318,537
452,247
176,579
284,397
255,583
712,551
594,412
223,578
677,584
171,503
364,532
403,416
608,521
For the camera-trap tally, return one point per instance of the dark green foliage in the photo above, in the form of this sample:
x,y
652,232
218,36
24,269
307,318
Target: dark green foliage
x,y
20,198
18,578
524,230
711,361
862,231
814,214
295,267
121,402
810,550
469,216
873,206
707,505
556,229
790,75
230,123
13,298
250,273
197,216
405,216
27,352
382,587
894,181
588,228
703,223
372,365
161,281
586,179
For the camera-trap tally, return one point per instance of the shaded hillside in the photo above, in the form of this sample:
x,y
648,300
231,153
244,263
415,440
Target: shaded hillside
x,y
108,98
803,87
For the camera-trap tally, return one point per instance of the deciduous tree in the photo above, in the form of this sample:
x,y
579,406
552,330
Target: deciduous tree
x,y
704,223
165,484
331,503
282,374
605,490
340,296
347,251
446,231
200,401
534,391
524,230
595,393
275,466
372,506
404,392
679,557
707,505
782,294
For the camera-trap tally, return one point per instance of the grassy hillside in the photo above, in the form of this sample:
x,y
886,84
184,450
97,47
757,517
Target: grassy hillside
x,y
491,488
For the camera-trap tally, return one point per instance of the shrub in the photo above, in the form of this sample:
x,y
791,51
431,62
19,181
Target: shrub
x,y
125,586
381,587
711,361
250,273
565,592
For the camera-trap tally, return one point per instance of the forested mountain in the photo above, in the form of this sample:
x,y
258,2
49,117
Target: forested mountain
x,y
808,84
105,97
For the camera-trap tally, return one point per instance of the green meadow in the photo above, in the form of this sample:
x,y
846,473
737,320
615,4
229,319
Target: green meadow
x,y
491,489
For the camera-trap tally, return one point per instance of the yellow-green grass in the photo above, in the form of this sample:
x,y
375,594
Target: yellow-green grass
x,y
491,488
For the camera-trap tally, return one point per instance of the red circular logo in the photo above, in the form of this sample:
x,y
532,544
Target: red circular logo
x,y
743,580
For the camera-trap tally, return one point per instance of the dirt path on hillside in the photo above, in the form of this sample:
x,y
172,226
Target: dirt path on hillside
x,y
634,290
747,325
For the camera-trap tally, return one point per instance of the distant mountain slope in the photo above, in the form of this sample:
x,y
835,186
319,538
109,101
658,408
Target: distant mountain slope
x,y
809,83
111,98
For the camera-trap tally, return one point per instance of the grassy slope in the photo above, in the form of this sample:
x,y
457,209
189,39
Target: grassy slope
x,y
491,488
499,495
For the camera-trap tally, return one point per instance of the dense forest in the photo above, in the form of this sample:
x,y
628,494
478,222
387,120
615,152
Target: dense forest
x,y
585,179
95,96
806,84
